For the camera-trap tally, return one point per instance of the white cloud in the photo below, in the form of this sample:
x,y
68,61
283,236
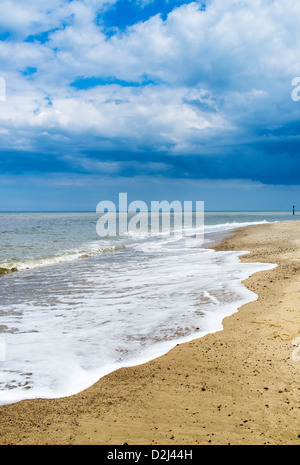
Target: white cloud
x,y
215,71
36,16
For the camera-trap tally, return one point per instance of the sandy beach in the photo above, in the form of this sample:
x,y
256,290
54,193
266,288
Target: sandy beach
x,y
240,385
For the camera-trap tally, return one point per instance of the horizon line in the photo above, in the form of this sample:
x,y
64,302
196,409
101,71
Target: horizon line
x,y
118,211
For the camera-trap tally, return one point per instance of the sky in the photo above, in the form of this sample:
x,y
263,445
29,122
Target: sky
x,y
161,99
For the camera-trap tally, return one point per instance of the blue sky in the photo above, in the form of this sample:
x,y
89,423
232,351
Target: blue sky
x,y
162,99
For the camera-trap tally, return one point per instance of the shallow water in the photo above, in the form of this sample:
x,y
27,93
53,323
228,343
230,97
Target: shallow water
x,y
81,306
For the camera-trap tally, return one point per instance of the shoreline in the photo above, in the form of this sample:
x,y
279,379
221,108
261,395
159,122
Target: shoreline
x,y
238,385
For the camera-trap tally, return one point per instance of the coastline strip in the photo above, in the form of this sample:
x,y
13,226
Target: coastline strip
x,y
238,386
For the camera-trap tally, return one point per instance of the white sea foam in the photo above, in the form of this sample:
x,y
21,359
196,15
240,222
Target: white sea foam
x,y
86,306
103,315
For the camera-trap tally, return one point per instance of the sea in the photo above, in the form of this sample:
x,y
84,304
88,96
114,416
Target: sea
x,y
75,306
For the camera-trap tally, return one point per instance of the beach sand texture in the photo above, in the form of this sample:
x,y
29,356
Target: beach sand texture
x,y
237,386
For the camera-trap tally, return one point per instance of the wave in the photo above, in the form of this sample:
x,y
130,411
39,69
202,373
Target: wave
x,y
15,266
69,256
234,225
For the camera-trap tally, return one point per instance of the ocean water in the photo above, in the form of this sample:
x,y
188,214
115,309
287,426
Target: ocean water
x,y
75,306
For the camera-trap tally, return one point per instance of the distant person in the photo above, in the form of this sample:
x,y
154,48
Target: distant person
x,y
293,209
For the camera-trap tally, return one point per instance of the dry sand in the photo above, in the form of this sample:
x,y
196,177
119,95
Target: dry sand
x,y
237,386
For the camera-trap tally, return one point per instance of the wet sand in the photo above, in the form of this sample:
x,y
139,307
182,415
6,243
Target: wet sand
x,y
240,385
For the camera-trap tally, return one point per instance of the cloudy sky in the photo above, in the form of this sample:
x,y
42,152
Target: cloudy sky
x,y
163,99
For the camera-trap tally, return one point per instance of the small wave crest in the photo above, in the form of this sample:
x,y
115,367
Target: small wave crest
x,y
233,225
12,267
